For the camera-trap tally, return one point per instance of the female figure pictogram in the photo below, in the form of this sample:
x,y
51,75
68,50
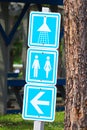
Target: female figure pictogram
x,y
47,66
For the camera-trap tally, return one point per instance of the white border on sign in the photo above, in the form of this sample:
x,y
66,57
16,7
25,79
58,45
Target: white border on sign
x,y
25,104
37,81
30,35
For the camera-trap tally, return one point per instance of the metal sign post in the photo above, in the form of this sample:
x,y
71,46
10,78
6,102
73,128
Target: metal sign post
x,y
39,125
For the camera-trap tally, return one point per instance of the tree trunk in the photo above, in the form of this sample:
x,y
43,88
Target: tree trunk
x,y
3,59
75,25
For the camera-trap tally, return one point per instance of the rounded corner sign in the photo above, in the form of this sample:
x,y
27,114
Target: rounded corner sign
x,y
44,29
39,103
41,66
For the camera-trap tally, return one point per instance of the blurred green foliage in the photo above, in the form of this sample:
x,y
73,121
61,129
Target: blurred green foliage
x,y
15,122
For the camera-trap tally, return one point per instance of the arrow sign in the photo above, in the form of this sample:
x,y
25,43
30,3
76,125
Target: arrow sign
x,y
35,102
39,102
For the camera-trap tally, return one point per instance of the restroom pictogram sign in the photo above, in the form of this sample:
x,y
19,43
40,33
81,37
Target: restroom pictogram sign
x,y
41,66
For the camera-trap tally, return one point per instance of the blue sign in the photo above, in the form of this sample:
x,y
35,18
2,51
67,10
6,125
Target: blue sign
x,y
44,30
39,103
41,66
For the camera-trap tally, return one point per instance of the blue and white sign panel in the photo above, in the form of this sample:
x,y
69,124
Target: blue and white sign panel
x,y
44,30
39,103
41,66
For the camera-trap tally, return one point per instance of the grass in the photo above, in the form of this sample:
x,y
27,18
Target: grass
x,y
15,122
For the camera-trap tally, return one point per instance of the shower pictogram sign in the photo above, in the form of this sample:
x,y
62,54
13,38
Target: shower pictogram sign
x,y
41,66
44,30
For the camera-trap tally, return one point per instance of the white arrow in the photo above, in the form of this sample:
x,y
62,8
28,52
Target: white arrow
x,y
35,102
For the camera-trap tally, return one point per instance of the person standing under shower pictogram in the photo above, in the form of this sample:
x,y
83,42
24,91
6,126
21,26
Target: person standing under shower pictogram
x,y
36,66
47,66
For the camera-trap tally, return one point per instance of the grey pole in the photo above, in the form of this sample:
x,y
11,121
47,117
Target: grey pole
x,y
39,125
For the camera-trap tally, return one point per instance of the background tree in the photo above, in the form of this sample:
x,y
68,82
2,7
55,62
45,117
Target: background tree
x,y
4,20
76,64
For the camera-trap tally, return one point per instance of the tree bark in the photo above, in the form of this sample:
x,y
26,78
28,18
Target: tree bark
x,y
75,24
